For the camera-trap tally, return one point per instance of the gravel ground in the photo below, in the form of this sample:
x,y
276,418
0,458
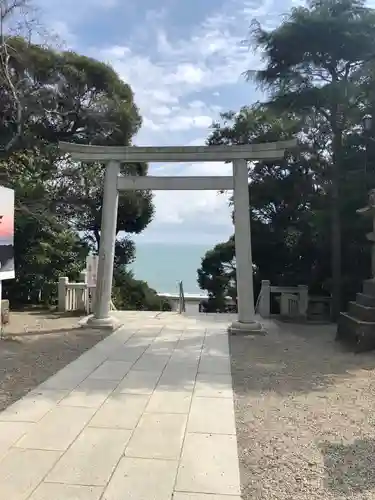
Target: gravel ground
x,y
36,345
305,415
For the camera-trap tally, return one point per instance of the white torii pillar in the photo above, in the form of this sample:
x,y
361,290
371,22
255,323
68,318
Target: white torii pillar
x,y
108,231
244,260
113,156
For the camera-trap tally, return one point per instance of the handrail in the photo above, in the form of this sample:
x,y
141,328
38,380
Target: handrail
x,y
258,301
181,298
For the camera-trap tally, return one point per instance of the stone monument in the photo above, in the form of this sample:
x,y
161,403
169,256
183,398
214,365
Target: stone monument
x,y
356,327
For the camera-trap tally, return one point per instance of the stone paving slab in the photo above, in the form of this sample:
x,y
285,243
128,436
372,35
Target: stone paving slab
x,y
92,458
58,429
33,406
91,393
164,401
212,415
121,411
209,464
158,436
146,414
139,479
50,491
112,370
138,382
213,385
21,471
10,433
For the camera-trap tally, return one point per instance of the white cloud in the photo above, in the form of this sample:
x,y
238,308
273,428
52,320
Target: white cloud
x,y
150,124
192,212
180,122
161,111
211,56
200,141
196,104
186,74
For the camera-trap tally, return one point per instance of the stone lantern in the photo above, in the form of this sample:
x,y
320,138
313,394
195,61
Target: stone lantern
x,y
369,211
356,327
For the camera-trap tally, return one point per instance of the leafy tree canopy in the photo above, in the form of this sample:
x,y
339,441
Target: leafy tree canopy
x,y
47,96
289,204
217,274
314,64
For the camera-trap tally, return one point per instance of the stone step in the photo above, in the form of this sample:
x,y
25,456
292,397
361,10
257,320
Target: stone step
x,y
356,334
359,311
369,287
365,300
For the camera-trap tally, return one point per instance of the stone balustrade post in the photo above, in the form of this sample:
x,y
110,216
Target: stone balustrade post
x,y
85,294
265,299
61,293
303,300
83,277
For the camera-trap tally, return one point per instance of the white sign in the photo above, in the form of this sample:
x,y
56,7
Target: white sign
x,y
6,233
91,270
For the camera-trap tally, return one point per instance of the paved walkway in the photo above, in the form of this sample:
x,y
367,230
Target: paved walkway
x,y
147,414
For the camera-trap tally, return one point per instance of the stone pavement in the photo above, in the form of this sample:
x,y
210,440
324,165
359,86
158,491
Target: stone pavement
x,y
147,414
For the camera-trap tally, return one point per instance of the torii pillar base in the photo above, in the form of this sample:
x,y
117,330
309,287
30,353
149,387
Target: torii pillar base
x,y
108,324
251,328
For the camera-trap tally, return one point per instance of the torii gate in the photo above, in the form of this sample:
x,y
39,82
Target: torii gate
x,y
114,182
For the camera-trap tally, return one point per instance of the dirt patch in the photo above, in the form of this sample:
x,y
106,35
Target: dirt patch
x,y
36,345
304,411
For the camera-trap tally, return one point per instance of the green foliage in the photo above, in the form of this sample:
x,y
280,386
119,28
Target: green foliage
x,y
313,63
78,193
217,274
129,293
47,96
51,96
290,207
43,253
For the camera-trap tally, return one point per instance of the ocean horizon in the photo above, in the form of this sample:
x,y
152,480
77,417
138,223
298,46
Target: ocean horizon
x,y
163,265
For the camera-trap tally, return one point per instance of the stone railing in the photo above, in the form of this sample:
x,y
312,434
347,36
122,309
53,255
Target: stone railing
x,y
293,301
75,296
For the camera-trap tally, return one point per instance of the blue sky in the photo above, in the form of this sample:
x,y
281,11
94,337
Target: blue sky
x,y
184,61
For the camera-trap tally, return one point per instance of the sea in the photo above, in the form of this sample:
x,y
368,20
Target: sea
x,y
163,265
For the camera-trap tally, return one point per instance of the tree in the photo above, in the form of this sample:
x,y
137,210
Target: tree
x,y
43,253
289,203
78,193
64,96
281,191
44,247
129,293
312,62
217,275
